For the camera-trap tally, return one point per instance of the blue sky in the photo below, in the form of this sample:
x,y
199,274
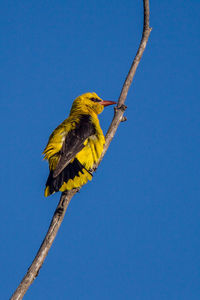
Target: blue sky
x,y
133,232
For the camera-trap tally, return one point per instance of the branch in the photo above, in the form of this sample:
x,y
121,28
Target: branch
x,y
120,109
37,263
66,197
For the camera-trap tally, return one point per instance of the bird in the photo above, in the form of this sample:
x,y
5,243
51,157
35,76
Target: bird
x,y
76,145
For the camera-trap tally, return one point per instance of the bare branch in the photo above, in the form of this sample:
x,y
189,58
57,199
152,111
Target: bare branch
x,y
37,263
66,197
118,116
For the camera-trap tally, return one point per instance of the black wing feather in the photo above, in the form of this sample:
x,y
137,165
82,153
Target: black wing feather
x,y
74,142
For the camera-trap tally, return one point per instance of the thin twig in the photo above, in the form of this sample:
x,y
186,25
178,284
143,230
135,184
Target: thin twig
x,y
66,197
119,111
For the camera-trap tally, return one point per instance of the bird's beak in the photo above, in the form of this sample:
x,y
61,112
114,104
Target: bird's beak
x,y
106,103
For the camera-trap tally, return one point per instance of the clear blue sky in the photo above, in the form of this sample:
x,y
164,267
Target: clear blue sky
x,y
133,232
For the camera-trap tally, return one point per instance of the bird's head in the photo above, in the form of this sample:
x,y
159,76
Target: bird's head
x,y
90,102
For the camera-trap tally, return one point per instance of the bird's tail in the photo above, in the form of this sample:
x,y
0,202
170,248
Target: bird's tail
x,y
74,175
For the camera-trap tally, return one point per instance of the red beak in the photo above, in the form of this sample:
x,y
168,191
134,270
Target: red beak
x,y
106,103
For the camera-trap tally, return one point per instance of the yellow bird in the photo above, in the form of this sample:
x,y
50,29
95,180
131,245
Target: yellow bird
x,y
75,145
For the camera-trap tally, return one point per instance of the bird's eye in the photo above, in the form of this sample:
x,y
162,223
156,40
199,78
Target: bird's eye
x,y
95,99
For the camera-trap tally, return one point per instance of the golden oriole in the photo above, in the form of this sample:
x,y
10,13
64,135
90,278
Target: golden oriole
x,y
75,145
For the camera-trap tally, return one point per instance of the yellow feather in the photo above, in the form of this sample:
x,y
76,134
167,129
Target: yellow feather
x,y
93,145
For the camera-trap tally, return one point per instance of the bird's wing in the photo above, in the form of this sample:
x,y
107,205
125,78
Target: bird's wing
x,y
74,142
